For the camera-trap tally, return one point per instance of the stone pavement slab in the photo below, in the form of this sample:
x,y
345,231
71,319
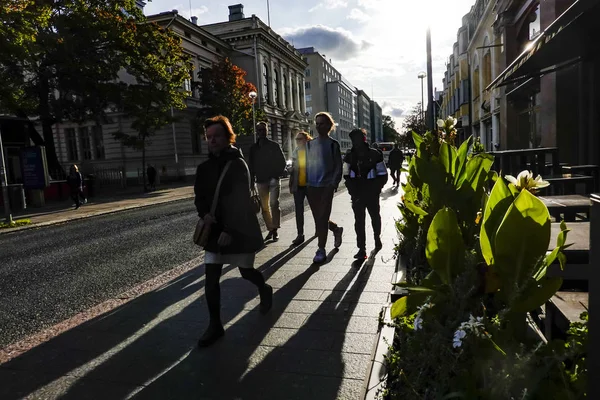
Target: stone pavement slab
x,y
315,343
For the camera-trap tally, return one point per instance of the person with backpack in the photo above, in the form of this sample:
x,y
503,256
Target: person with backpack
x,y
323,176
365,174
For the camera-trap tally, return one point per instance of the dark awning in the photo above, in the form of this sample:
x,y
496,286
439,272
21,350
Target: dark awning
x,y
568,40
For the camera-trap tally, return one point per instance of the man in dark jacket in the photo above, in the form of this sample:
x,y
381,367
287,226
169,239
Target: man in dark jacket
x,y
267,164
395,162
365,174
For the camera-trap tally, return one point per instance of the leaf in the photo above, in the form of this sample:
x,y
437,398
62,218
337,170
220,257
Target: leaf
x,y
414,208
522,239
448,158
461,159
445,249
418,139
538,295
407,305
477,170
495,210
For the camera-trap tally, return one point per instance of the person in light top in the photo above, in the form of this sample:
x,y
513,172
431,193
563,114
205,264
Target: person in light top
x,y
323,176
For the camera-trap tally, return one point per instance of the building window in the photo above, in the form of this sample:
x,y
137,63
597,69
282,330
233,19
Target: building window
x,y
307,72
188,35
308,97
276,87
204,43
86,145
266,82
534,23
309,110
307,85
72,153
98,142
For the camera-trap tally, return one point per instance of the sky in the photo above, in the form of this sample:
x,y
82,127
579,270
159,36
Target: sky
x,y
378,45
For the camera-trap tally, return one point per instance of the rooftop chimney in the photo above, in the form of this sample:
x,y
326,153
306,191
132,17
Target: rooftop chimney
x,y
236,12
194,20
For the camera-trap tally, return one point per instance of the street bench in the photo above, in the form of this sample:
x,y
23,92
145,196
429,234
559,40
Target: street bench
x,y
567,207
563,309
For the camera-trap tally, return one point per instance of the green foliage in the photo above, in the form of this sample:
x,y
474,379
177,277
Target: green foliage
x,y
462,328
15,223
63,61
440,176
226,92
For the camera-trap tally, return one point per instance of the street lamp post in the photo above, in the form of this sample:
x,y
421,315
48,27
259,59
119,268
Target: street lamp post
x,y
253,96
421,76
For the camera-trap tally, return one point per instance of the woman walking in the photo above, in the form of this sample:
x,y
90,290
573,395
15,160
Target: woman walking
x,y
235,235
298,183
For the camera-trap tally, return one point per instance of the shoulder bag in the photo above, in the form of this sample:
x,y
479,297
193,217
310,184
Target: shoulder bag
x,y
202,231
254,196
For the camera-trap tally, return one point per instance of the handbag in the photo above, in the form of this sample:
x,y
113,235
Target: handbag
x,y
254,196
202,231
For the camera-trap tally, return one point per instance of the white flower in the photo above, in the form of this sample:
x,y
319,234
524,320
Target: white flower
x,y
441,123
418,324
458,337
525,181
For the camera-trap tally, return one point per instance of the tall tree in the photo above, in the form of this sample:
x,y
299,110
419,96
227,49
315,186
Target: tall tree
x,y
390,134
224,91
69,57
414,121
159,68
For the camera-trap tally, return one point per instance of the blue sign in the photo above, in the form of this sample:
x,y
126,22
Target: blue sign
x,y
34,168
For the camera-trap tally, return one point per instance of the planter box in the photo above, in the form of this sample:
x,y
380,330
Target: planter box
x,y
377,373
399,276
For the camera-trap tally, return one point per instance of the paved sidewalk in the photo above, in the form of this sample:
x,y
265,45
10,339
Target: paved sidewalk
x,y
316,342
64,211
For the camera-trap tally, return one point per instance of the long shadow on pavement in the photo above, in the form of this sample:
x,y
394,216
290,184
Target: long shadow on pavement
x,y
127,346
309,364
160,348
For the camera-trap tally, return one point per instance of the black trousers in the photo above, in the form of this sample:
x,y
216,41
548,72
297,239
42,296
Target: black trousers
x,y
395,172
366,202
299,197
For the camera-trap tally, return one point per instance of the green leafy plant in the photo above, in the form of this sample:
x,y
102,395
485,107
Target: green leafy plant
x,y
462,331
15,223
440,175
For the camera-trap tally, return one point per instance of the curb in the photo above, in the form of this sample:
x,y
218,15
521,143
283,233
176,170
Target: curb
x,y
90,215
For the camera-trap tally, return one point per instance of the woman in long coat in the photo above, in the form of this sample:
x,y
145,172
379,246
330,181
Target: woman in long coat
x,y
236,235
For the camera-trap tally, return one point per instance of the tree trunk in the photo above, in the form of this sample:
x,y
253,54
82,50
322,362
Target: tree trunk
x,y
144,163
54,166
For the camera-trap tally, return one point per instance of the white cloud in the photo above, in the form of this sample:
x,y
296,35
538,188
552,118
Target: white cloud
x,y
196,12
330,5
336,43
372,4
358,15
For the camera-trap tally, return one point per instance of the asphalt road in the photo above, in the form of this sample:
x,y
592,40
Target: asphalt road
x,y
50,274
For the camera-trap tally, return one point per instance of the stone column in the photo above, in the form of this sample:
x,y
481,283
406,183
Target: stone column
x,y
303,97
296,84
